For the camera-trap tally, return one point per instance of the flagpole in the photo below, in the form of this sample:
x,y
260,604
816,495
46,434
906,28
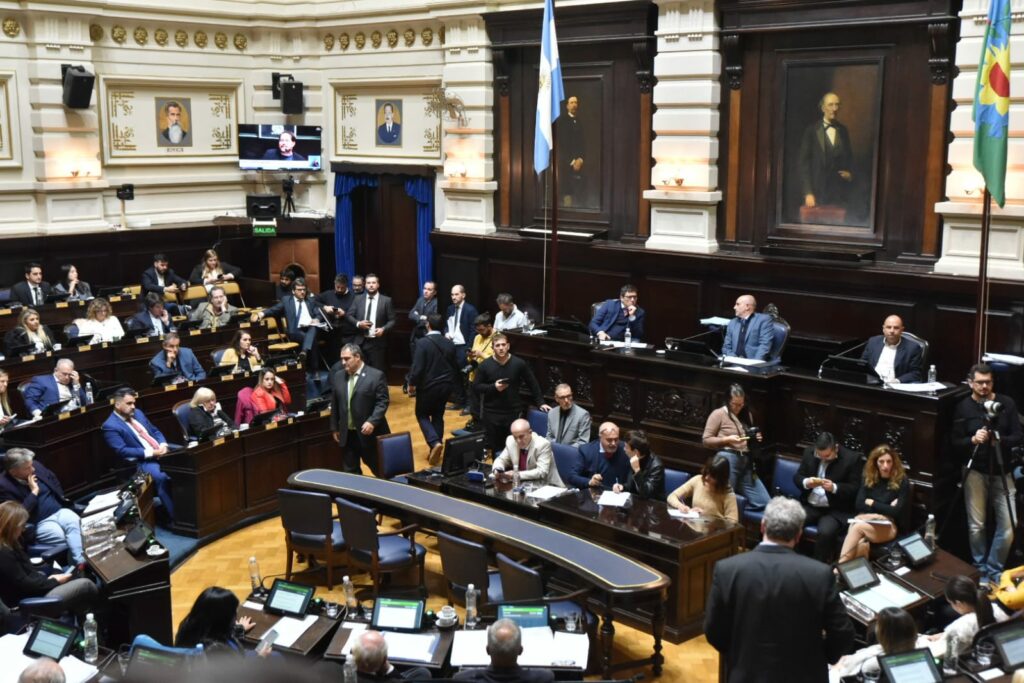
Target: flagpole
x,y
544,255
979,322
554,220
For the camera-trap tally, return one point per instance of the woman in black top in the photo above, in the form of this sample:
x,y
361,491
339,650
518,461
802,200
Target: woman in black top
x,y
19,579
213,623
884,493
646,473
29,336
71,285
205,414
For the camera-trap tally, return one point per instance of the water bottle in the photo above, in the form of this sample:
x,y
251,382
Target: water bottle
x,y
931,373
349,672
92,645
350,595
628,339
254,576
88,392
471,617
929,531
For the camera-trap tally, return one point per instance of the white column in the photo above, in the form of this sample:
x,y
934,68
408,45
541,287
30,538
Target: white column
x,y
685,200
469,185
961,212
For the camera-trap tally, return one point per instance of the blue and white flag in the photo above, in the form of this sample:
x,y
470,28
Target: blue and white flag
x,y
549,90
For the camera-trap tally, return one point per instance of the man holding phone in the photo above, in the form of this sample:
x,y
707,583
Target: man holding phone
x,y
499,381
828,478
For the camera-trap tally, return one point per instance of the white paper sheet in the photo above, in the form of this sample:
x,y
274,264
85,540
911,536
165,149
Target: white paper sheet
x,y
574,647
714,320
679,514
736,360
417,647
258,606
621,344
546,492
538,647
290,629
989,674
102,502
14,662
354,627
885,594
612,499
469,648
917,387
1004,358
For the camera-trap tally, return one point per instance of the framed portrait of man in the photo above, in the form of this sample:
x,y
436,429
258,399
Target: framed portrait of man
x,y
830,142
389,123
174,121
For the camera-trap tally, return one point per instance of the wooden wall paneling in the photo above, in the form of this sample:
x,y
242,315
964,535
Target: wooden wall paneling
x,y
522,279
959,320
454,270
673,308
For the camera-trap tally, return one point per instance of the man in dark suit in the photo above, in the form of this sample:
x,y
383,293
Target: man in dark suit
x,y
136,440
154,318
374,316
826,157
602,463
615,316
389,132
370,654
570,424
424,306
430,381
504,645
358,415
32,291
459,320
302,316
828,478
894,359
749,334
174,363
285,150
161,279
37,489
336,304
753,593
63,385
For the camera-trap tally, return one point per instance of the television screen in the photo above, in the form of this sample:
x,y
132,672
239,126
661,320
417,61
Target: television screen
x,y
278,147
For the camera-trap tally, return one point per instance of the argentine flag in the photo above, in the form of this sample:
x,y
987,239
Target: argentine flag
x,y
549,91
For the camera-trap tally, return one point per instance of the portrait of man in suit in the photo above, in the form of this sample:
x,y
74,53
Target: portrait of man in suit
x,y
389,123
174,121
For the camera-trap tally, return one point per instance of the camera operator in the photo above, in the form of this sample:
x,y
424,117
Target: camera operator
x,y
730,430
976,419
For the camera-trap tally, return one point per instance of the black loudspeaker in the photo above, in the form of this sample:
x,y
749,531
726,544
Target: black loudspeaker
x,y
262,205
77,86
126,192
291,97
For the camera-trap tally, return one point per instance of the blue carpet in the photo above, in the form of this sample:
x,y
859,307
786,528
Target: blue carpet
x,y
178,546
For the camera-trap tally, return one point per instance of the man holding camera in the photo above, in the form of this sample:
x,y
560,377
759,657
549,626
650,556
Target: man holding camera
x,y
978,421
499,380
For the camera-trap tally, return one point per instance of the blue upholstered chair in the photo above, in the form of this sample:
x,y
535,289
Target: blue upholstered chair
x,y
310,529
217,355
153,644
565,459
394,456
181,410
538,421
379,552
780,334
674,479
465,562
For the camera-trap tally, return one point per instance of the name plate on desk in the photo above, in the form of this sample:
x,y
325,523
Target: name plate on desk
x,y
193,333
63,416
114,299
245,324
269,426
85,347
281,368
142,340
6,311
62,304
218,441
28,359
325,412
170,387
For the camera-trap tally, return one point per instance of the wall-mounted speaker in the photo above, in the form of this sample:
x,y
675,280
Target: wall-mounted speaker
x,y
77,86
263,205
291,97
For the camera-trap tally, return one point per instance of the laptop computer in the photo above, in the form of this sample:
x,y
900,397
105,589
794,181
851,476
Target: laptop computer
x,y
525,615
916,666
54,408
53,639
857,574
288,599
396,614
1009,643
263,418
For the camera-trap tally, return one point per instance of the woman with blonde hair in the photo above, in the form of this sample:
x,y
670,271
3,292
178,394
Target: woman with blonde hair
x,y
206,414
100,322
6,414
884,494
30,335
212,270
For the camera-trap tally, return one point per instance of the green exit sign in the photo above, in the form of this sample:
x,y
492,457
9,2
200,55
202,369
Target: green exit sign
x,y
264,229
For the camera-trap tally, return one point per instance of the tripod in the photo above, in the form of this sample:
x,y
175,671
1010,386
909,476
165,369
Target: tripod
x,y
288,185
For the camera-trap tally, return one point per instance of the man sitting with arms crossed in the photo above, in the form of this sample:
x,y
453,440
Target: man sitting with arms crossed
x,y
603,463
529,454
38,490
63,385
216,312
504,645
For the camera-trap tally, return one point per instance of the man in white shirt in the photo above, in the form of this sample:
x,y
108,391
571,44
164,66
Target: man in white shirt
x,y
302,318
509,316
894,358
374,316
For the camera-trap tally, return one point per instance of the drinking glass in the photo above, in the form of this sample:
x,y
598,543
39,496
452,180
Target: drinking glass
x,y
572,622
124,655
983,652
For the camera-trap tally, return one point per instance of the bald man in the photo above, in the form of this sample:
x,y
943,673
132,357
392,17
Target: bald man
x,y
63,385
43,670
602,463
530,454
749,334
895,359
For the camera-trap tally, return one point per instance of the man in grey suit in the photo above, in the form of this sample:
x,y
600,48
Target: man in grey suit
x,y
529,454
570,424
374,315
750,592
358,413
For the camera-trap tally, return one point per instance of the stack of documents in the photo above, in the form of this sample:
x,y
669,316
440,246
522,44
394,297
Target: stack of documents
x,y
541,647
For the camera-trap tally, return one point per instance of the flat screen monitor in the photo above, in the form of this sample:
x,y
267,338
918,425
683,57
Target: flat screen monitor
x,y
394,614
858,574
149,663
50,639
916,666
526,616
289,598
279,147
1010,644
461,451
916,549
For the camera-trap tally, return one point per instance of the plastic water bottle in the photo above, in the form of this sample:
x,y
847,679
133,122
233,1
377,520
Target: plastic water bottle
x,y
929,531
471,617
350,595
931,373
88,392
349,672
92,645
628,339
254,576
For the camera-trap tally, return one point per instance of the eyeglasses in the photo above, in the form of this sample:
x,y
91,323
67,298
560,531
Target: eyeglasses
x,y
563,398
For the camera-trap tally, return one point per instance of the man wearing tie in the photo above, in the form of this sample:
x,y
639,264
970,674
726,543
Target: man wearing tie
x,y
749,334
389,133
33,291
826,157
374,316
64,385
459,329
358,413
302,316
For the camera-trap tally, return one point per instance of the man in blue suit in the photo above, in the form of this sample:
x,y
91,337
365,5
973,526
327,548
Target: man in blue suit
x,y
137,440
460,329
175,363
614,316
603,463
154,319
389,132
302,315
892,358
749,334
62,385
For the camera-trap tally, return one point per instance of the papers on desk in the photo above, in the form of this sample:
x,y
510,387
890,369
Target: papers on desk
x,y
102,502
715,320
354,627
1003,358
546,492
612,499
11,646
290,629
416,647
917,387
886,593
541,647
679,514
736,360
879,522
622,344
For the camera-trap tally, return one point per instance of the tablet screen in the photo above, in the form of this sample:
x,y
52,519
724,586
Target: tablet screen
x,y
915,547
289,598
911,667
1010,643
858,574
397,615
50,639
147,662
525,615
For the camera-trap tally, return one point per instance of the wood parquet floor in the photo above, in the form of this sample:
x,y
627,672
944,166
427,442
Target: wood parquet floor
x,y
225,563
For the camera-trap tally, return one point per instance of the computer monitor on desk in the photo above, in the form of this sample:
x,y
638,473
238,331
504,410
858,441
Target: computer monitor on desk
x,y
849,369
699,350
461,452
394,614
1009,643
567,328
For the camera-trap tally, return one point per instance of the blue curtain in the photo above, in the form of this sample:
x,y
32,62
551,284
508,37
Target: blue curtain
x,y
422,191
344,246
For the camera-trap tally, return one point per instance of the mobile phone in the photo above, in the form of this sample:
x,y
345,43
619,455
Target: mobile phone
x,y
503,381
267,642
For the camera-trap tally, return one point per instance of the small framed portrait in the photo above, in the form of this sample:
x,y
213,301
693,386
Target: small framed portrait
x,y
174,121
389,123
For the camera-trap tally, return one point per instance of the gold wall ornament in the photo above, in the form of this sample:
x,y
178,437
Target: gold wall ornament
x,y
410,37
181,38
160,36
360,40
141,35
440,34
220,105
348,106
432,140
95,33
119,34
122,139
375,38
343,41
329,42
427,36
392,36
241,42
348,138
201,39
220,40
221,137
11,27
121,103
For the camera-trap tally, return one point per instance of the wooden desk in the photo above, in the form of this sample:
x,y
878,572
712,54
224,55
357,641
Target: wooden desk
x,y
306,643
436,663
59,314
137,594
931,578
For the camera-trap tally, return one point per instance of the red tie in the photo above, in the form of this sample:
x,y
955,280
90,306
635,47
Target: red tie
x,y
142,432
522,458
